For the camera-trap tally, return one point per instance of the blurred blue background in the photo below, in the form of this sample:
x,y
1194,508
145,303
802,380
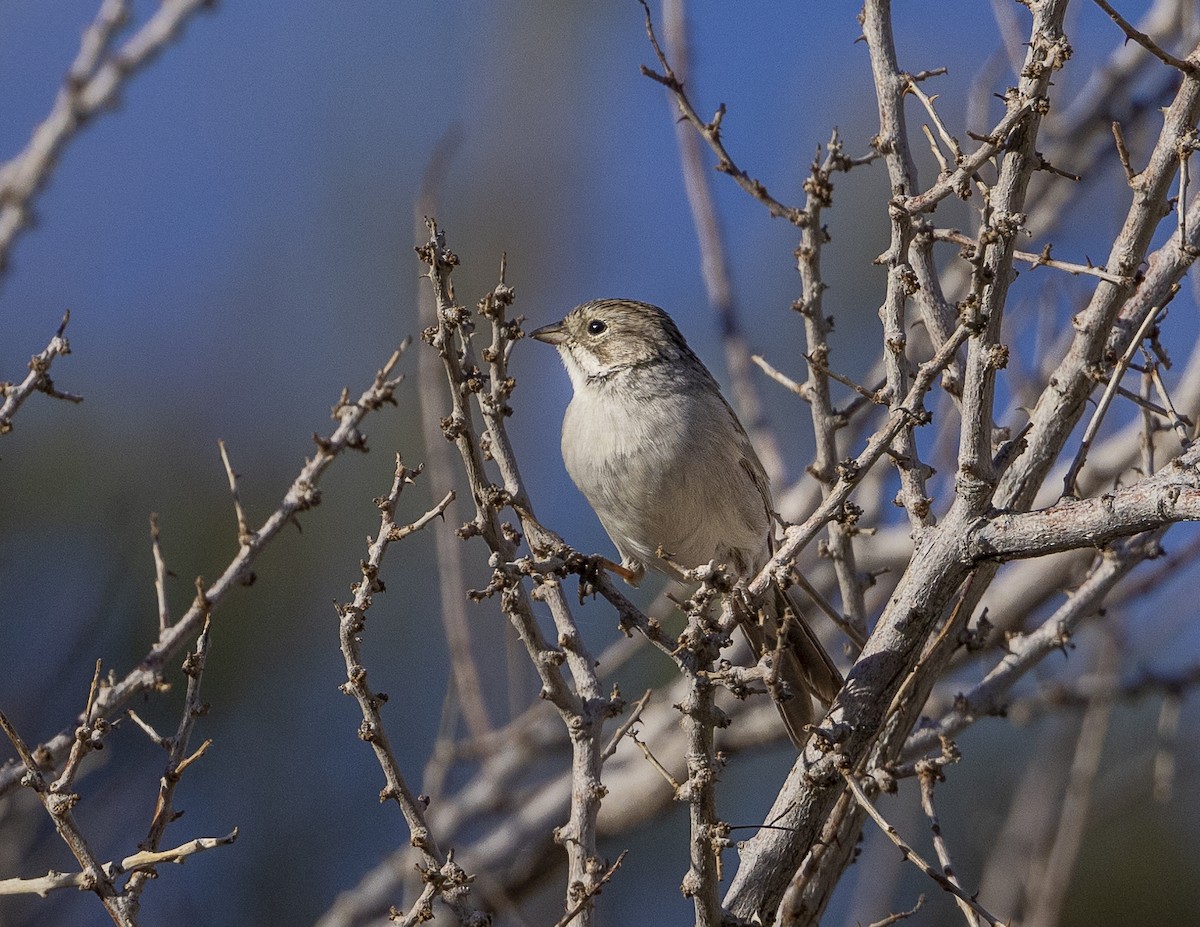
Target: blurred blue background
x,y
234,243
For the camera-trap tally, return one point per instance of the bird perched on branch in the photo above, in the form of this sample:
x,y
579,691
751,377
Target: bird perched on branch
x,y
666,465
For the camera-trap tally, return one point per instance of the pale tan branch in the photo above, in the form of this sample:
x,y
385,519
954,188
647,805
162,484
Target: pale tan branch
x,y
37,380
143,861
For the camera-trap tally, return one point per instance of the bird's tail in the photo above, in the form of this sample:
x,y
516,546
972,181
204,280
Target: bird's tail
x,y
803,669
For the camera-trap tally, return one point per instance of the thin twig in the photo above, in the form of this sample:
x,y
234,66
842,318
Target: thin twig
x,y
1118,372
711,131
352,620
38,379
160,576
928,777
912,856
1180,423
244,534
635,715
142,861
1041,259
1131,175
58,805
178,760
87,737
779,377
899,915
948,140
593,891
1187,67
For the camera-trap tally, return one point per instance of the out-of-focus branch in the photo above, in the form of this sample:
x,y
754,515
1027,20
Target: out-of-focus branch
x,y
38,379
468,689
1187,67
93,85
1049,887
714,267
300,496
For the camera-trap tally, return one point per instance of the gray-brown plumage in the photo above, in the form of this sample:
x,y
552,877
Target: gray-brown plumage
x,y
662,458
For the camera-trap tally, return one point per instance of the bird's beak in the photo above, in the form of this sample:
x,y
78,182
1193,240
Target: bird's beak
x,y
551,334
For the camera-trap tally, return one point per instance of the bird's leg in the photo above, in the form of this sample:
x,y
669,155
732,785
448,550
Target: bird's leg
x,y
626,574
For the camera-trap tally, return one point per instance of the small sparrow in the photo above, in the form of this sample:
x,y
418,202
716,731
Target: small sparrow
x,y
666,465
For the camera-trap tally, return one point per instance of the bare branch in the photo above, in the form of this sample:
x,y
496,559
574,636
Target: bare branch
x,y
94,83
244,535
1187,67
301,496
142,861
711,131
178,760
584,709
1098,416
930,774
160,576
38,379
913,857
452,885
1041,259
58,805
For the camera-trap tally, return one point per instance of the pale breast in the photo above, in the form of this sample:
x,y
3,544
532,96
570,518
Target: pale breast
x,y
656,482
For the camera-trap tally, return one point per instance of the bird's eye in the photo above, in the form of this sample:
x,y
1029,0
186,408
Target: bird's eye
x,y
597,327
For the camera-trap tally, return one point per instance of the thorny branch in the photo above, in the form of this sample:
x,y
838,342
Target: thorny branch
x,y
583,707
711,131
301,496
38,379
443,877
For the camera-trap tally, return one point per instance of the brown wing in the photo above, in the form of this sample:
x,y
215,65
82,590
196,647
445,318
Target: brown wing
x,y
806,668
